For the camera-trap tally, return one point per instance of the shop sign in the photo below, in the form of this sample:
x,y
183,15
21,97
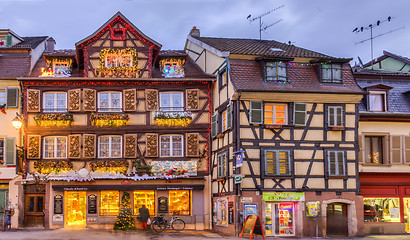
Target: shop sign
x,y
58,204
75,189
162,205
92,204
283,196
246,199
312,209
58,218
239,158
249,209
238,178
175,188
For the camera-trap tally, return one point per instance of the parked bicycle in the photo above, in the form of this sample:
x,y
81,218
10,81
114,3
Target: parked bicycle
x,y
160,223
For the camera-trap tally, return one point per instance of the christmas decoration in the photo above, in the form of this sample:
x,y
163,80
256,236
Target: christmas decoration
x,y
118,60
52,167
125,221
54,119
110,166
170,119
171,67
109,119
140,169
3,108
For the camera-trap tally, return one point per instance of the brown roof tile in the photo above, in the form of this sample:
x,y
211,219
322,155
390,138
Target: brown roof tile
x,y
15,65
61,53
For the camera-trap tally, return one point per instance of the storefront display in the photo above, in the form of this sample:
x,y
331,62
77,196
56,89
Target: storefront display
x,y
180,201
109,202
406,202
146,198
249,209
75,208
222,211
279,219
381,210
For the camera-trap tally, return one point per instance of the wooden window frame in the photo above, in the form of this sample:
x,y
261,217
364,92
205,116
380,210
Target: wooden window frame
x,y
337,174
381,144
277,163
276,66
55,147
384,103
171,144
223,77
55,109
274,118
109,146
110,107
222,167
172,108
332,69
342,116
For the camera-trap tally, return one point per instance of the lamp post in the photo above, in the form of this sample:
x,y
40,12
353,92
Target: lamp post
x,y
17,122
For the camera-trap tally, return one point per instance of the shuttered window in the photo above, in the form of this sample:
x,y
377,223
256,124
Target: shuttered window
x,y
214,125
10,151
277,163
256,112
55,147
300,114
12,97
335,116
275,113
55,102
336,163
110,147
229,116
373,149
222,165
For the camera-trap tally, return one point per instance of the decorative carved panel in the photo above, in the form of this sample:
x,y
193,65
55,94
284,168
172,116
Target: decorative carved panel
x,y
192,144
89,145
34,146
130,146
151,99
74,99
89,100
130,99
33,100
152,145
192,99
74,146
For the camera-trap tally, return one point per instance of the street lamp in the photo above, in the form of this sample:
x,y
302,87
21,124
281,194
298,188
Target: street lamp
x,y
17,122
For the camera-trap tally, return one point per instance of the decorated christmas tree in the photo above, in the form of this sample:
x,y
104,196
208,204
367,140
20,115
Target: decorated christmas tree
x,y
124,220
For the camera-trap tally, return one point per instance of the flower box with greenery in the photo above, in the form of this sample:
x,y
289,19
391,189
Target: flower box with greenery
x,y
53,167
110,166
109,119
141,169
171,119
54,119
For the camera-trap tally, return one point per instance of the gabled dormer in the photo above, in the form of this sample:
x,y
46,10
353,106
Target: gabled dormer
x,y
377,99
8,38
117,49
59,63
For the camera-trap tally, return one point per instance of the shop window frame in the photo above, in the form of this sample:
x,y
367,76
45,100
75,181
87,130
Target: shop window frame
x,y
100,204
189,201
134,204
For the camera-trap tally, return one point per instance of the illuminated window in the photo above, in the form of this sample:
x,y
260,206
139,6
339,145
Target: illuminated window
x,y
180,202
222,211
118,59
55,102
171,146
55,147
275,114
381,209
62,69
336,163
171,101
332,73
223,78
110,203
276,71
146,198
377,101
109,146
109,102
335,116
277,162
224,121
374,149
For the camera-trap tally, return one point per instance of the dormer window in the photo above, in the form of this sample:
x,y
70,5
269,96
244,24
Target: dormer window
x,y
331,73
222,77
117,59
172,67
377,101
276,72
62,69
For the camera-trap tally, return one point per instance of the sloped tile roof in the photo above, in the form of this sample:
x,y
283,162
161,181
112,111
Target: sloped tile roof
x,y
15,65
61,53
247,75
33,42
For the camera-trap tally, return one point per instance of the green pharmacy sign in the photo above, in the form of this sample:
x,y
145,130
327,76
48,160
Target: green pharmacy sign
x,y
283,196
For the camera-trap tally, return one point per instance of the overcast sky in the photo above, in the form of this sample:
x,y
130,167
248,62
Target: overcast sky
x,y
324,26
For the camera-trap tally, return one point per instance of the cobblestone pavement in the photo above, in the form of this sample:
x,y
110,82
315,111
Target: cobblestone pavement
x,y
89,234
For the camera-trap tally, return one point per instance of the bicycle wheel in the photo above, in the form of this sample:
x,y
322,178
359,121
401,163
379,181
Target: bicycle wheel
x,y
157,226
178,224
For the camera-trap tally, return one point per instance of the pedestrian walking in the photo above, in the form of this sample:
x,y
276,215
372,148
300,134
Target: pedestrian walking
x,y
8,212
143,217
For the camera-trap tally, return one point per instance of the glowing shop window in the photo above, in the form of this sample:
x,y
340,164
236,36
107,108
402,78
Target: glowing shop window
x,y
146,198
110,203
180,202
381,210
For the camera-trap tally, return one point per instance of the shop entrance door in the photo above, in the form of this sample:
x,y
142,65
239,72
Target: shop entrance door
x,y
336,219
75,209
34,210
280,219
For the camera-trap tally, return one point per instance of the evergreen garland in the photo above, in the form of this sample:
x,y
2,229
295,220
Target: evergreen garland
x,y
125,221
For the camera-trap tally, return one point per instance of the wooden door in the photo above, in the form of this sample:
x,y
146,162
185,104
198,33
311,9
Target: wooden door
x,y
337,219
34,210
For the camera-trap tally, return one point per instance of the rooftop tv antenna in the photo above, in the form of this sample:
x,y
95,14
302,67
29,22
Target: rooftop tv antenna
x,y
370,27
262,26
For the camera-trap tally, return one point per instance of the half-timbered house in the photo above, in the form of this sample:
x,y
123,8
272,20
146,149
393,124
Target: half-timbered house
x,y
384,140
284,137
116,115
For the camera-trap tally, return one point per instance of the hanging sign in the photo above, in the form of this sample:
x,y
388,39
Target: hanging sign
x,y
283,196
312,209
238,178
239,158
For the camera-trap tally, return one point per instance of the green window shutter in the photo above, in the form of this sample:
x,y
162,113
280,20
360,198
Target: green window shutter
x,y
340,163
331,156
214,125
256,112
9,40
229,116
12,97
10,151
300,114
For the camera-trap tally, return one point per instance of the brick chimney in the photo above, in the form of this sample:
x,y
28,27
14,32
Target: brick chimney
x,y
195,32
50,44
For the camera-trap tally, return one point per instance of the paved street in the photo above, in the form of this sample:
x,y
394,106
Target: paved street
x,y
88,234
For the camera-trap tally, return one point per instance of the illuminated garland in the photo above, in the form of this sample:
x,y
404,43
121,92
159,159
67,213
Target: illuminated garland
x,y
170,119
54,119
110,166
50,61
53,167
104,69
109,119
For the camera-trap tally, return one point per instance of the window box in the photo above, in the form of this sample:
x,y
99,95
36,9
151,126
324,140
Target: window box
x,y
54,119
338,128
172,119
109,166
53,167
109,119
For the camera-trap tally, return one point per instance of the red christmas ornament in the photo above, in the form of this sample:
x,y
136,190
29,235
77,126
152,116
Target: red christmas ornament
x,y
3,111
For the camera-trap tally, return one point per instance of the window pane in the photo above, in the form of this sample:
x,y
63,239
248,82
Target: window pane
x,y
104,147
2,97
339,116
40,204
340,164
49,147
332,163
376,102
331,116
367,149
381,210
30,204
116,147
177,101
146,198
376,143
61,147
271,73
165,146
110,202
103,99
165,101
176,146
337,73
116,101
271,162
179,202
